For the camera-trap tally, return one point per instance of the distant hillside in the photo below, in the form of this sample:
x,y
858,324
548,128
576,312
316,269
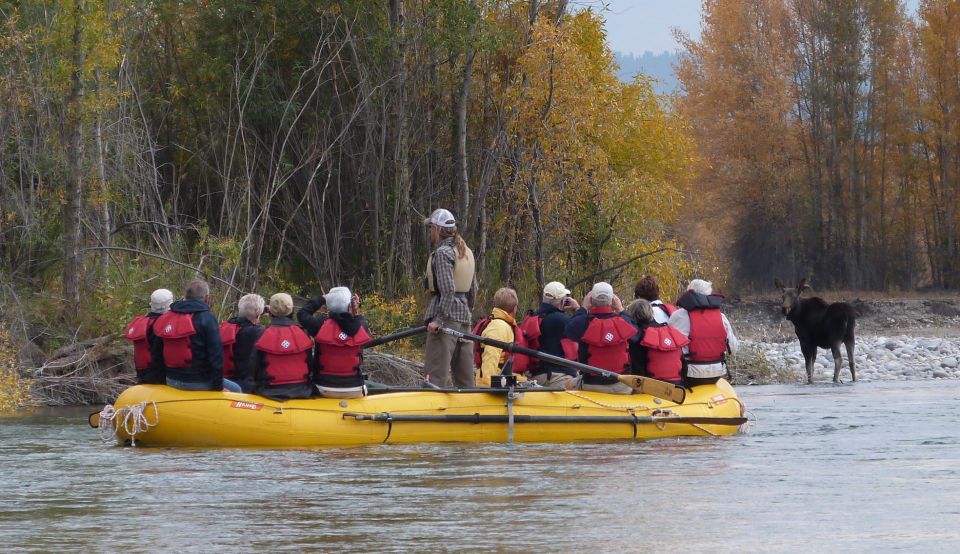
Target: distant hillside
x,y
658,66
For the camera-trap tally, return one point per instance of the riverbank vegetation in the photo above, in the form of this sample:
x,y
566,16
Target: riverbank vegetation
x,y
298,145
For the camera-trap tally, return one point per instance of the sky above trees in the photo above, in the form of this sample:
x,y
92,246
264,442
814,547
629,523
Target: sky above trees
x,y
640,25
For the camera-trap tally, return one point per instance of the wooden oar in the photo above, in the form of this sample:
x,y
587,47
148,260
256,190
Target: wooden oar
x,y
640,384
484,418
396,336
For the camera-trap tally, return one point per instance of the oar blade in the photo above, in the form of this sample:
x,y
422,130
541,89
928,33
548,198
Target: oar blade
x,y
655,387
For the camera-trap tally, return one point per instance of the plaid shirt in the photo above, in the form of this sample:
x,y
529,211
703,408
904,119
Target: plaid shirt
x,y
448,305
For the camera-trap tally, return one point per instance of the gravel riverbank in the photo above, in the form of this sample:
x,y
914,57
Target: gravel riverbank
x,y
897,340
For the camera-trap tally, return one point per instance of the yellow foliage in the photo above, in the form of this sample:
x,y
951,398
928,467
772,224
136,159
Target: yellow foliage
x,y
386,316
14,391
607,161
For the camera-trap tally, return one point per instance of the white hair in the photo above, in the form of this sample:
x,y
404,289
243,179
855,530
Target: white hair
x,y
250,306
338,300
700,286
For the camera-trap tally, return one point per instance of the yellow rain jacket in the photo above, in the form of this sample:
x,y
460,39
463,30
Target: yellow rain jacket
x,y
492,358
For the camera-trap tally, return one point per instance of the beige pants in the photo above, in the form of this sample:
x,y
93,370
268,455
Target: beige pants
x,y
614,388
556,379
446,356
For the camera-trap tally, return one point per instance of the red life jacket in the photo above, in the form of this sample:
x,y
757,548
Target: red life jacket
x,y
606,340
708,338
285,348
521,362
339,353
228,336
137,333
531,332
175,329
664,346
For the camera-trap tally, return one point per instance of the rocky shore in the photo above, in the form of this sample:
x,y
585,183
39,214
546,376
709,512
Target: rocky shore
x,y
897,340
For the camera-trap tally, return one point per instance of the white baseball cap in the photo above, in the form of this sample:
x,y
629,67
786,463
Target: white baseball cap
x,y
602,291
555,290
441,218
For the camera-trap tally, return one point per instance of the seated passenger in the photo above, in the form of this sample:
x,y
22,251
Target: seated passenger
x,y
501,326
659,352
544,331
648,289
603,335
699,318
340,337
140,333
190,347
239,335
282,366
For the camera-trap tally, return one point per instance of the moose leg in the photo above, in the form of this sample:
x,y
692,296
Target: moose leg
x,y
853,370
837,361
809,356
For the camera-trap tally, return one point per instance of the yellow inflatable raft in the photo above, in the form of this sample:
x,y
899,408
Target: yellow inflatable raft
x,y
157,415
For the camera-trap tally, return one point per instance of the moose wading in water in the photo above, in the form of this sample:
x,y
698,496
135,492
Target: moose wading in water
x,y
820,325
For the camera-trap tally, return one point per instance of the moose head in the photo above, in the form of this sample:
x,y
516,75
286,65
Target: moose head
x,y
790,296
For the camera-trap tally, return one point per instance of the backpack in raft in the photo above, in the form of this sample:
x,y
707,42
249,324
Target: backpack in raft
x,y
664,346
521,362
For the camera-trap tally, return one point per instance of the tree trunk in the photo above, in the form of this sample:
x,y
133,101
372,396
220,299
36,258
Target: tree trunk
x,y
460,139
73,197
403,239
103,209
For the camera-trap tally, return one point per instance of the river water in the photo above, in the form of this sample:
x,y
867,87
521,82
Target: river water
x,y
873,467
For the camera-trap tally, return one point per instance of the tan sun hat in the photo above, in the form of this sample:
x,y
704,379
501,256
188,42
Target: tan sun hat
x,y
281,304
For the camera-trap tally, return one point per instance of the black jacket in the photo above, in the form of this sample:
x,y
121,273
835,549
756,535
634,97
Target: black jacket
x,y
244,350
552,328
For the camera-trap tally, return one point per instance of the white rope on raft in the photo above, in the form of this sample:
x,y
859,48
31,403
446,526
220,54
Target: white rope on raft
x,y
132,419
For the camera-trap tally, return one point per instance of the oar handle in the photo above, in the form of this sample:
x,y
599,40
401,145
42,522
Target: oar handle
x,y
515,349
396,336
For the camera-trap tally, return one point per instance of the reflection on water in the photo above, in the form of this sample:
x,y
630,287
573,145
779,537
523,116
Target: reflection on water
x,y
870,467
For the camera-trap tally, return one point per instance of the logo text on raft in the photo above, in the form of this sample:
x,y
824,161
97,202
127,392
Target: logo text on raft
x,y
246,405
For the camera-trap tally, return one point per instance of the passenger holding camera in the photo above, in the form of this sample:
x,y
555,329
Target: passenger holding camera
x,y
339,336
544,331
